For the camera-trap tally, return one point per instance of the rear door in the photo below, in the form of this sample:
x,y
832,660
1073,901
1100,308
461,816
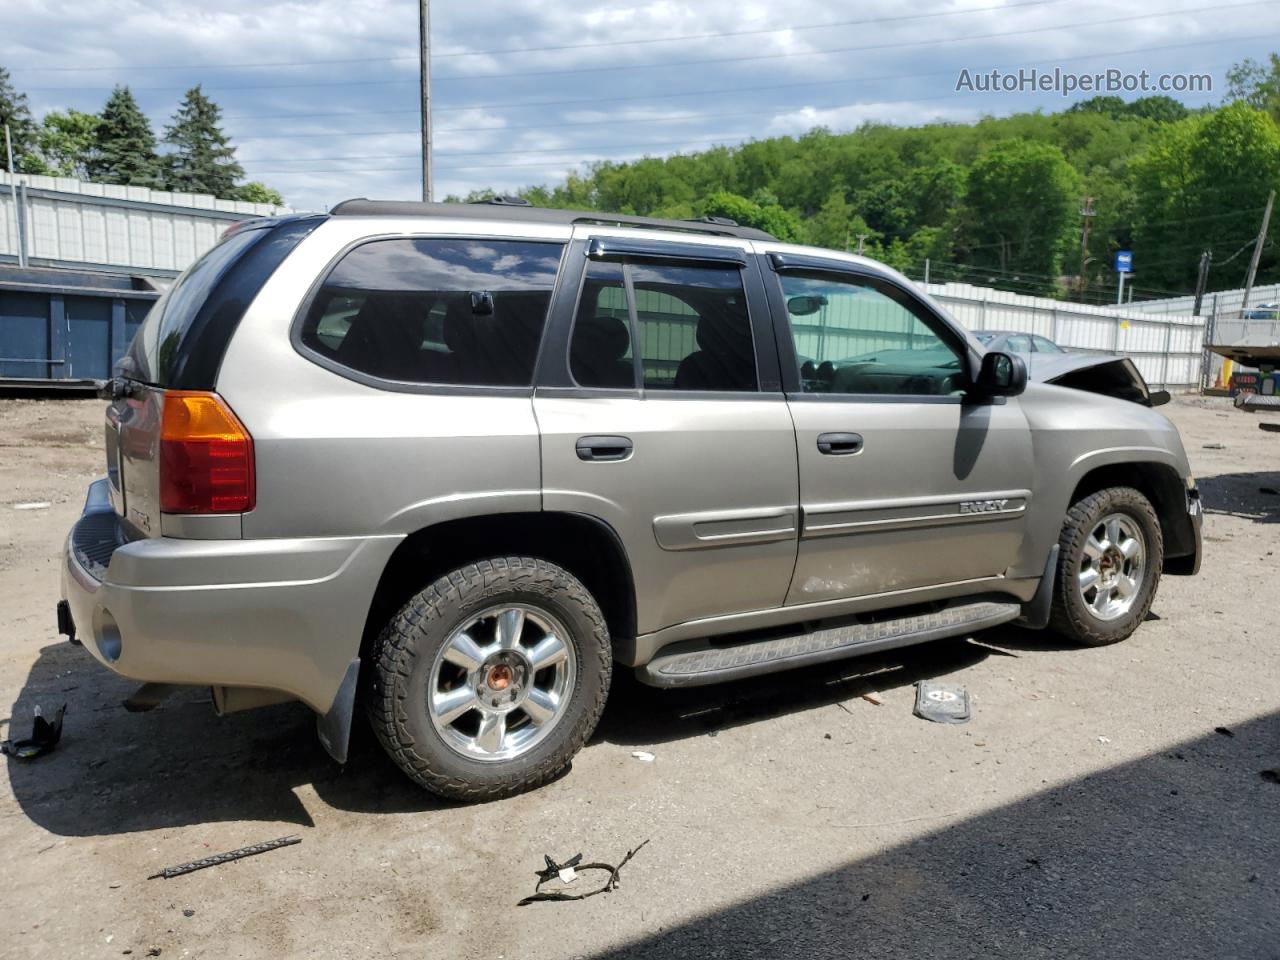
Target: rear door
x,y
903,482
661,413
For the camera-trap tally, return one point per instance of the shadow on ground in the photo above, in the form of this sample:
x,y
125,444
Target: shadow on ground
x,y
116,772
1243,495
1172,855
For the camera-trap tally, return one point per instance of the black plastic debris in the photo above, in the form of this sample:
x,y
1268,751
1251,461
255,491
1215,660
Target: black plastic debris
x,y
45,735
1271,776
553,871
941,703
171,872
1224,731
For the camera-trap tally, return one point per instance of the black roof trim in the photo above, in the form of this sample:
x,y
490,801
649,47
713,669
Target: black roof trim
x,y
361,207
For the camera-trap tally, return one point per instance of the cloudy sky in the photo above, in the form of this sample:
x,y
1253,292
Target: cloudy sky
x,y
321,97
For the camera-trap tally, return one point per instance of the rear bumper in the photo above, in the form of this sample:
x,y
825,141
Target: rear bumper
x,y
284,614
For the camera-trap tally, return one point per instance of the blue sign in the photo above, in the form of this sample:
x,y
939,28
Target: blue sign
x,y
1124,261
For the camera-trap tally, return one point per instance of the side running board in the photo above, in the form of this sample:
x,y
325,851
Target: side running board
x,y
706,663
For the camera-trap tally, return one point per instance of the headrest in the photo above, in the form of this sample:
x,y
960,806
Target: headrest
x,y
609,336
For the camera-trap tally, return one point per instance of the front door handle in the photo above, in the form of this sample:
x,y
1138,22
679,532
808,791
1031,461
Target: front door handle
x,y
603,448
839,444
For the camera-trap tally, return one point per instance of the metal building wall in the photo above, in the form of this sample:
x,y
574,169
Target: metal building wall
x,y
74,223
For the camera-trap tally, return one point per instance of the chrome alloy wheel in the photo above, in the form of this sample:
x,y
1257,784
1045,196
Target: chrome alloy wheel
x,y
501,682
1112,567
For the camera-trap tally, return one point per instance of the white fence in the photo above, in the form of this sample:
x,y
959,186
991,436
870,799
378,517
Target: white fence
x,y
1222,303
1167,349
76,223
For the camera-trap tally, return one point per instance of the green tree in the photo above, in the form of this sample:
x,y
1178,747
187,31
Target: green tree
x,y
760,211
1021,206
16,114
1256,84
1201,186
257,192
203,160
124,150
65,142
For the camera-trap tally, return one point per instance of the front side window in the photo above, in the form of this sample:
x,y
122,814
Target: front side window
x,y
690,322
852,337
436,310
1018,343
1046,346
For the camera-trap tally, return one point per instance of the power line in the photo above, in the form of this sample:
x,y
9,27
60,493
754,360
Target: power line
x,y
569,46
498,153
699,92
709,92
711,60
498,129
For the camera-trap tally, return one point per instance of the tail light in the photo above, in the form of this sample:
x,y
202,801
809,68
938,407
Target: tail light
x,y
206,456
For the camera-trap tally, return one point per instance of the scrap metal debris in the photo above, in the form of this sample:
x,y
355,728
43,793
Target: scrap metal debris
x,y
941,703
644,756
570,869
34,505
171,872
44,737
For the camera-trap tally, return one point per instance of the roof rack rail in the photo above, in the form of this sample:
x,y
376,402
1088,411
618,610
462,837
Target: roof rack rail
x,y
482,210
504,201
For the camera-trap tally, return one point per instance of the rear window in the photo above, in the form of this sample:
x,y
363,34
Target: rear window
x,y
468,312
185,335
155,346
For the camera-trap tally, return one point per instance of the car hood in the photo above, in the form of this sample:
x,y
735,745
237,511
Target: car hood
x,y
1110,376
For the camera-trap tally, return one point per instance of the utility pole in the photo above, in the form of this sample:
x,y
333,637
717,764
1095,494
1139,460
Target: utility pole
x,y
19,208
1257,249
1087,213
1202,281
424,70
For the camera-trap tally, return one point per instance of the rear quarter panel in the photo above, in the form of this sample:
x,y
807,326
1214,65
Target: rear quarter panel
x,y
341,458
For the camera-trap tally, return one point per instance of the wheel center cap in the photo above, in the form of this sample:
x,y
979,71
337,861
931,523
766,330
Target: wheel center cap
x,y
499,677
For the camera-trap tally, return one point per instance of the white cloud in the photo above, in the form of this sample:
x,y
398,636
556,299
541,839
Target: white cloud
x,y
651,93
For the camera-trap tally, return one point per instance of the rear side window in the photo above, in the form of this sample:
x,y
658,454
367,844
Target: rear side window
x,y
690,322
468,312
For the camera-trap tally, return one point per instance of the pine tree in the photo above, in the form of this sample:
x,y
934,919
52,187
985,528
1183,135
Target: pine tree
x,y
203,160
22,128
124,149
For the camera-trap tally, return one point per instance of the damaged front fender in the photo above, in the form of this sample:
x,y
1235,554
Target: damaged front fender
x,y
1110,376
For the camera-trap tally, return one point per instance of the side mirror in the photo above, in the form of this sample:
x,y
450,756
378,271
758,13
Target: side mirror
x,y
1001,375
1158,398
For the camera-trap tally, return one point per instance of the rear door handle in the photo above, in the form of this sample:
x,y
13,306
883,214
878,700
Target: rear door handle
x,y
603,448
839,444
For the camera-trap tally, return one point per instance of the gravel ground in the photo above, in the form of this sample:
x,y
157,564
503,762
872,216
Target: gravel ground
x,y
1100,803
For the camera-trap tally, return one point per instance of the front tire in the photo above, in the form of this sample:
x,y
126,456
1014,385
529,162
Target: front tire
x,y
1109,559
488,681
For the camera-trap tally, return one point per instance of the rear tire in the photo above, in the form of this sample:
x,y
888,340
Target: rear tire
x,y
488,681
1109,560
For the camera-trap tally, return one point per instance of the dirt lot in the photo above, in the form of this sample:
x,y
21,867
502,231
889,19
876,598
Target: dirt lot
x,y
1088,809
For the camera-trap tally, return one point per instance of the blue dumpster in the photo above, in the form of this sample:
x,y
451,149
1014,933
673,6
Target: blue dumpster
x,y
67,327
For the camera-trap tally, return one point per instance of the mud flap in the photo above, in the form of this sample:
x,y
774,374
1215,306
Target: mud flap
x,y
334,727
1035,613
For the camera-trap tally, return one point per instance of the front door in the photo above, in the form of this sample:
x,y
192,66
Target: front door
x,y
904,483
660,419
